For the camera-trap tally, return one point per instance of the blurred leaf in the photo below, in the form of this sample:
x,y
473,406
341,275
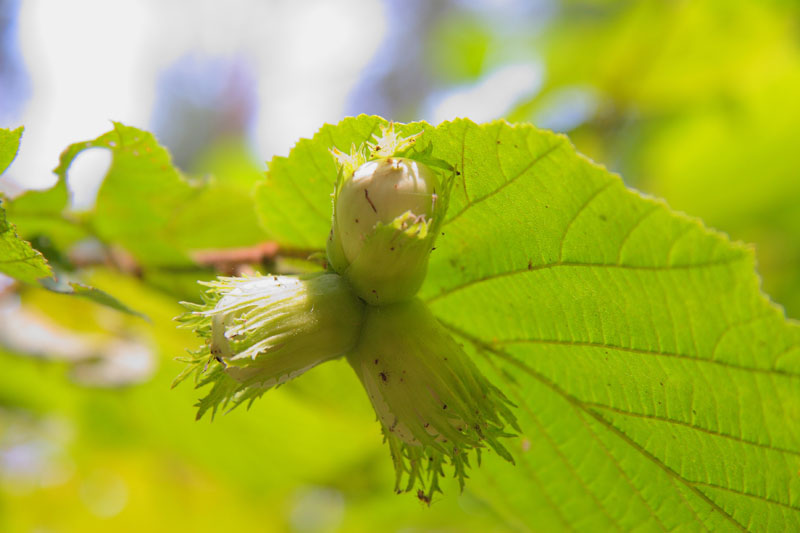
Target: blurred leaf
x,y
93,294
43,214
181,474
148,218
146,206
140,194
18,258
462,49
21,261
656,385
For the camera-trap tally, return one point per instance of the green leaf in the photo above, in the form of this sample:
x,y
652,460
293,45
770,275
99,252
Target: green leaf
x,y
9,144
18,258
139,195
645,360
657,387
42,213
294,203
149,208
91,293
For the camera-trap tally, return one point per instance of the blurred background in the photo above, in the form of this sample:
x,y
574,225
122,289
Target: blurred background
x,y
694,102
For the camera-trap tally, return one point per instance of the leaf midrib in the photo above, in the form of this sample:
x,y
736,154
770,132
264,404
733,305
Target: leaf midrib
x,y
483,347
578,264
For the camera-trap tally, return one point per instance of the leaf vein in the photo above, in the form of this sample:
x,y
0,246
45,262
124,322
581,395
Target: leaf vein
x,y
618,466
557,450
642,351
633,228
689,425
508,182
577,214
688,505
557,264
745,493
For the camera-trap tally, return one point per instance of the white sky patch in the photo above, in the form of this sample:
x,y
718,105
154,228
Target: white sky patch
x,y
85,175
84,60
567,108
490,98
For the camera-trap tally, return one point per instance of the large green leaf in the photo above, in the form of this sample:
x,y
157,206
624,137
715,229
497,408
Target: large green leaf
x,y
657,387
18,258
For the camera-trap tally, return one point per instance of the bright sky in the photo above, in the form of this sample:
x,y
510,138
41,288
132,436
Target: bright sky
x,y
93,61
